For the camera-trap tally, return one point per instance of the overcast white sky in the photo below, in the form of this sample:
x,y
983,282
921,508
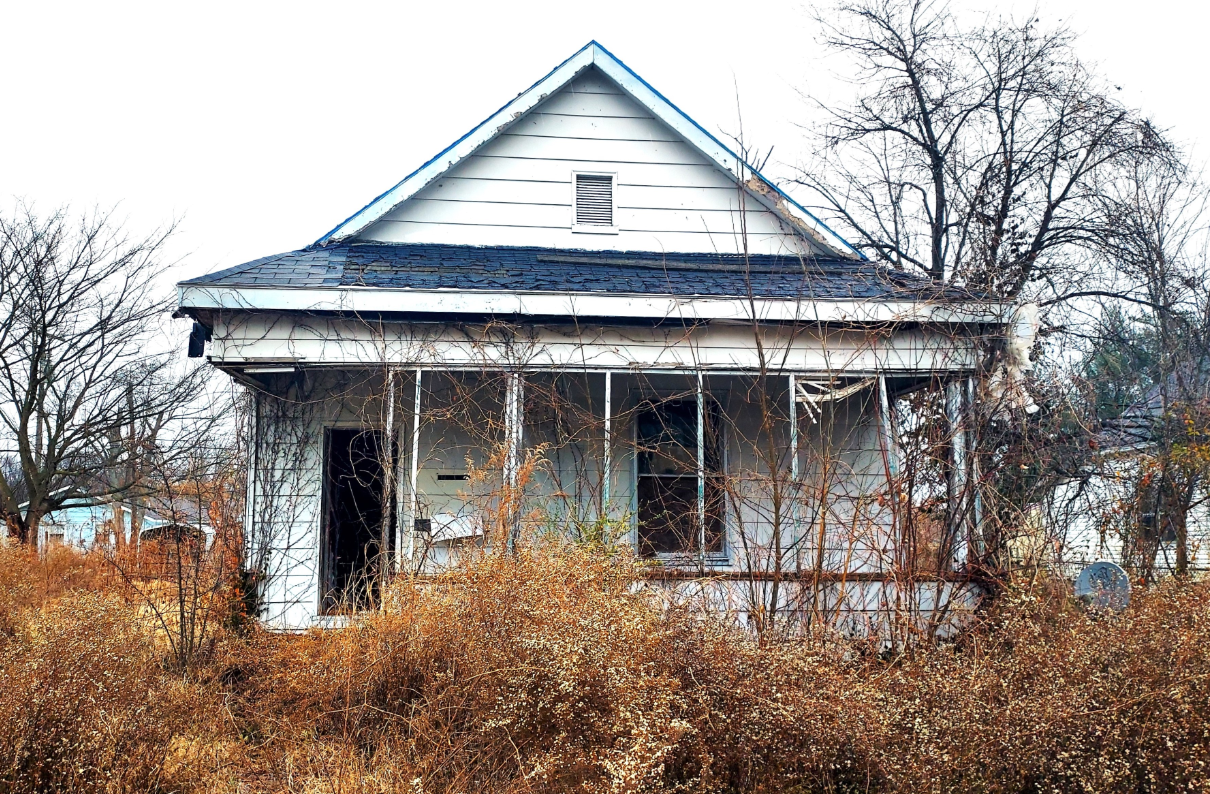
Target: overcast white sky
x,y
262,125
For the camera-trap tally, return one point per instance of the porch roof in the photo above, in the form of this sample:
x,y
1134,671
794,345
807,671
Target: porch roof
x,y
532,269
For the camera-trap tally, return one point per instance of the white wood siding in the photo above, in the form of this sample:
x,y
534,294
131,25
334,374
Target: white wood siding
x,y
517,190
332,342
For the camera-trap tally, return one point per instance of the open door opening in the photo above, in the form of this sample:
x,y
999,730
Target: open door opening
x,y
353,544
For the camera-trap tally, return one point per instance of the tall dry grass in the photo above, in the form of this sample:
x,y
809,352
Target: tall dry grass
x,y
551,672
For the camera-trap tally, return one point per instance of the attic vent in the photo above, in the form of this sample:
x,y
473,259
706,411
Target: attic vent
x,y
594,203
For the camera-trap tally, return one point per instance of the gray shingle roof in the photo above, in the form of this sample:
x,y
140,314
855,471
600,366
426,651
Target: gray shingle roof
x,y
531,269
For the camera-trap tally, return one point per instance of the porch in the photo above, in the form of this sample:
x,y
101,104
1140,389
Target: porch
x,y
722,475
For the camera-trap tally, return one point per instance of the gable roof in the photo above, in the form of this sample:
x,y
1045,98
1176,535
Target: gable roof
x,y
593,54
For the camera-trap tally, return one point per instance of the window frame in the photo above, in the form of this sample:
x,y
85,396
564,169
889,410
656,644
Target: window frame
x,y
710,404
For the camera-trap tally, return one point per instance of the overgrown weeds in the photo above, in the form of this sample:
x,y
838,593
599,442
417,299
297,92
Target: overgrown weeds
x,y
552,671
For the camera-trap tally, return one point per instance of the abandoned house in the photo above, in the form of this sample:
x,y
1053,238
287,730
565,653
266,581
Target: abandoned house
x,y
589,316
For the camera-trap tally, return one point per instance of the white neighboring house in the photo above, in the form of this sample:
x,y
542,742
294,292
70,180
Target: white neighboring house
x,y
588,239
1091,508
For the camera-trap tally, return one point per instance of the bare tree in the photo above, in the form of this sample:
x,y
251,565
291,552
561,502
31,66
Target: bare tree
x,y
1154,242
971,154
188,560
84,384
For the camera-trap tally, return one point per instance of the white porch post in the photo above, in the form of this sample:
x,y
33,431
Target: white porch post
x,y
513,419
888,447
793,495
250,539
954,412
606,463
793,427
888,436
701,468
389,534
414,506
972,441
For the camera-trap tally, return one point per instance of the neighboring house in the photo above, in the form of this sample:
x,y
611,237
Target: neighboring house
x,y
590,280
80,526
1096,508
90,522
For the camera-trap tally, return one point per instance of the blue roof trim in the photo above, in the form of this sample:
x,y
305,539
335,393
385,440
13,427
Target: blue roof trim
x,y
447,149
711,136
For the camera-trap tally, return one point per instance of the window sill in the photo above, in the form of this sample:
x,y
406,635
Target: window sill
x,y
721,559
583,228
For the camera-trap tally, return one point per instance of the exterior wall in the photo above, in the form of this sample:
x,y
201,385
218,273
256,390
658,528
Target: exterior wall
x,y
840,458
1085,509
285,501
517,190
85,526
79,526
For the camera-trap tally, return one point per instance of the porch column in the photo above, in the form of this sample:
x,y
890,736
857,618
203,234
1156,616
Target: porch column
x,y
414,497
388,535
890,458
794,493
793,427
972,444
513,425
251,541
888,435
701,468
606,463
955,393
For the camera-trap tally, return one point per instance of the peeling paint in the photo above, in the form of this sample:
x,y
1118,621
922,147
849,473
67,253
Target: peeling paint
x,y
774,196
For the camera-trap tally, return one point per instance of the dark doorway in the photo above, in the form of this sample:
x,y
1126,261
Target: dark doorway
x,y
668,516
353,521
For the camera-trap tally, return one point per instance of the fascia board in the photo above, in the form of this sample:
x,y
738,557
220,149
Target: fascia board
x,y
488,130
361,300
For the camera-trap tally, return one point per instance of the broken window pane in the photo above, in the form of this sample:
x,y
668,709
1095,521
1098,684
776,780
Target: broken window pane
x,y
668,515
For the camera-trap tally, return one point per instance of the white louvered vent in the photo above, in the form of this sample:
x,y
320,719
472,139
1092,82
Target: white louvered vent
x,y
594,201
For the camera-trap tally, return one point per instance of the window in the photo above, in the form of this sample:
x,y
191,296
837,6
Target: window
x,y
593,209
353,518
669,514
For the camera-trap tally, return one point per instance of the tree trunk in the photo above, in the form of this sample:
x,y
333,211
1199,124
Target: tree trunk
x,y
117,525
33,522
15,529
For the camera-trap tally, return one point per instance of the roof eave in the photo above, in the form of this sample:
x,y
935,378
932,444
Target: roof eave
x,y
620,306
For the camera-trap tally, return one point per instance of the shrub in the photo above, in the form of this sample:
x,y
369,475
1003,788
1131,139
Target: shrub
x,y
552,671
83,705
